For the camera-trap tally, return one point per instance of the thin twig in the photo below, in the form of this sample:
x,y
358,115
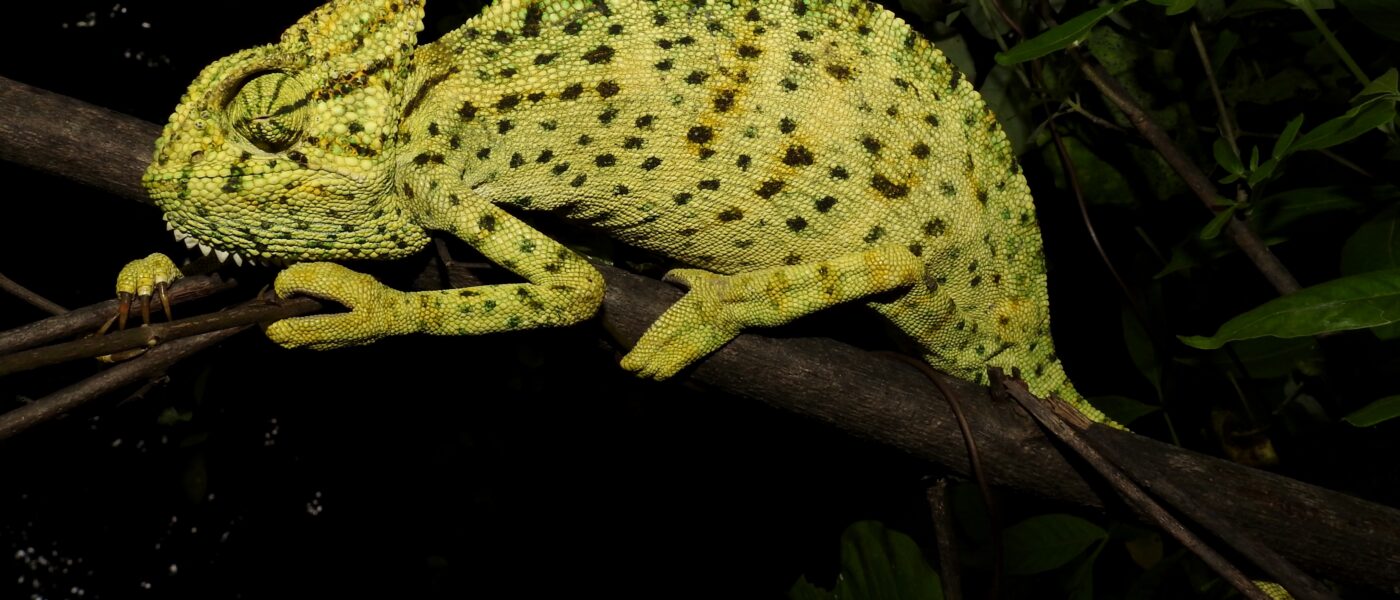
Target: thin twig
x,y
949,567
145,337
1078,108
1225,121
27,295
148,366
89,318
1247,240
974,461
1131,493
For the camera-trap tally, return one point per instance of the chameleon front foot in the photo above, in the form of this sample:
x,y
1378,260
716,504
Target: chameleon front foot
x,y
376,310
141,279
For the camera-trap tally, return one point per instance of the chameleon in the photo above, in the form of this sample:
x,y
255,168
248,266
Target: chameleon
x,y
794,154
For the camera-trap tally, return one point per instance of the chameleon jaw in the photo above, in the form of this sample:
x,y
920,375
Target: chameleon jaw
x,y
191,242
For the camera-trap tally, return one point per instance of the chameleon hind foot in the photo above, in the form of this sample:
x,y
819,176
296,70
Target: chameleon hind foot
x,y
376,310
718,307
696,325
141,279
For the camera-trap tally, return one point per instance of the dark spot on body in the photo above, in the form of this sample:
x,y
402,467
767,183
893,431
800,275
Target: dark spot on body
x,y
839,72
887,188
602,54
724,101
769,188
871,144
798,156
700,134
508,102
824,204
935,228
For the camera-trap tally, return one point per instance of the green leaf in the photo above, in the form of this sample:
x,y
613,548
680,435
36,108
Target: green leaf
x,y
1225,157
877,564
1266,358
1275,212
1066,34
805,590
1263,172
1285,139
1382,410
1175,7
1046,542
1382,16
1385,86
1218,222
1123,409
1225,43
1354,302
1358,120
1375,246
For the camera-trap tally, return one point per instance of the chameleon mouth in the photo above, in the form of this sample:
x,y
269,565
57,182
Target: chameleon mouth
x,y
191,242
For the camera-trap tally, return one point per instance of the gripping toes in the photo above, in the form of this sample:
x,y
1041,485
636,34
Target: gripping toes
x,y
696,325
376,310
140,279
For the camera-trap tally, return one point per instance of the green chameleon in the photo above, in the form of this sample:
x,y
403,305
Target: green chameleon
x,y
799,154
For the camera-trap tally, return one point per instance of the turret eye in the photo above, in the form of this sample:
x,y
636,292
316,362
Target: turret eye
x,y
269,111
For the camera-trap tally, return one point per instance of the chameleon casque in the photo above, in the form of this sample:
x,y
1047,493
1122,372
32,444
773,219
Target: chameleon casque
x,y
799,154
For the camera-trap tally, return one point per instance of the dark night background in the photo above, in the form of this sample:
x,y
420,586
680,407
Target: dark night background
x,y
526,464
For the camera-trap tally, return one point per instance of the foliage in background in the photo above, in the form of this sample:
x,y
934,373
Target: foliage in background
x,y
1305,153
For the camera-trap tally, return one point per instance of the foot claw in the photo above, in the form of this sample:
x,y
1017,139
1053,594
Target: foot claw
x,y
138,281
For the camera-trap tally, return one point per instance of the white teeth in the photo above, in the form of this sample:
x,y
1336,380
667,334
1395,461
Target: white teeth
x,y
237,260
222,254
205,249
169,227
180,236
190,242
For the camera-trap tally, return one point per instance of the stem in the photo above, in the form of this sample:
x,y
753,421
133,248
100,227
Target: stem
x,y
1307,7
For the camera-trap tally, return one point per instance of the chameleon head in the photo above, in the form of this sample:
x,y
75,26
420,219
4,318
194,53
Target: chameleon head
x,y
285,152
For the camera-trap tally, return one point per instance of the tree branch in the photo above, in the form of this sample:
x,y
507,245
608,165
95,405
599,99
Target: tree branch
x,y
1332,534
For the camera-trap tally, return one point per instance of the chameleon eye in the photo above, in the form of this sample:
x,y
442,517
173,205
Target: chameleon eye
x,y
269,111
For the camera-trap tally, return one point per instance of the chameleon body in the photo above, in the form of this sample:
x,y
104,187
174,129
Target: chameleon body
x,y
798,154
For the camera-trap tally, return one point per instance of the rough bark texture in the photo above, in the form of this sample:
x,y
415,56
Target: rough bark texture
x,y
1331,534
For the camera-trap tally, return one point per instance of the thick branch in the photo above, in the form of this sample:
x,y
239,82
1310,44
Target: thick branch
x,y
1332,534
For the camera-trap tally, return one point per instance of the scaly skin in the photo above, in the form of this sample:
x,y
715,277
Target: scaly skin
x,y
799,153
